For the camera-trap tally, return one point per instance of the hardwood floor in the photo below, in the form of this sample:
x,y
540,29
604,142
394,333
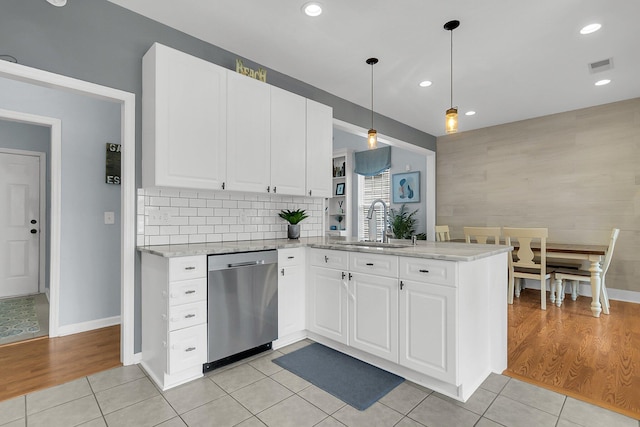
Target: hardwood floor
x,y
567,350
42,362
563,349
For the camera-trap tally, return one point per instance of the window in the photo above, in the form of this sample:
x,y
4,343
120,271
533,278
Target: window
x,y
371,188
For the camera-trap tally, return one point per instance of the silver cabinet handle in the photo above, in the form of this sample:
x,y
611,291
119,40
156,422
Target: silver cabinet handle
x,y
326,258
189,316
423,271
189,349
190,268
370,264
290,257
190,291
282,271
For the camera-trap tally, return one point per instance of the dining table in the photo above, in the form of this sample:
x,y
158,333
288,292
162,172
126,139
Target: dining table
x,y
592,254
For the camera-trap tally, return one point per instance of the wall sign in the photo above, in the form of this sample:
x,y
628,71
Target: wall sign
x,y
113,164
260,74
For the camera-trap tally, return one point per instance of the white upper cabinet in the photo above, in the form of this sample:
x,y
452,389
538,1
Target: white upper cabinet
x,y
248,134
288,142
319,149
183,120
206,127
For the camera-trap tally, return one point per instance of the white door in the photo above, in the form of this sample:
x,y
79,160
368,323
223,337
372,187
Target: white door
x,y
327,303
19,224
427,329
374,315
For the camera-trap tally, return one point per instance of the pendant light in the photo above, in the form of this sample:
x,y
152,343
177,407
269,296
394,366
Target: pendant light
x,y
372,139
451,118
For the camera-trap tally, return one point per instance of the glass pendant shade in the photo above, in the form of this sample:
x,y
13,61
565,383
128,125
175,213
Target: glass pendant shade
x,y
372,139
451,120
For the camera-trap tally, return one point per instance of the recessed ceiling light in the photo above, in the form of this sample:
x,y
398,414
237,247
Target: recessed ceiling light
x,y
603,82
591,28
470,113
425,83
58,3
312,9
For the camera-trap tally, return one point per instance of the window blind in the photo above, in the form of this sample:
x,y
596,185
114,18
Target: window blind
x,y
372,188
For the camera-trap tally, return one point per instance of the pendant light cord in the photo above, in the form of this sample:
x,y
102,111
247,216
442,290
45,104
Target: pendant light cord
x,y
372,64
451,68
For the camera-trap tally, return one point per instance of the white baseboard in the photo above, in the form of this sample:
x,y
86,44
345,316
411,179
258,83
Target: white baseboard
x,y
584,289
88,326
137,358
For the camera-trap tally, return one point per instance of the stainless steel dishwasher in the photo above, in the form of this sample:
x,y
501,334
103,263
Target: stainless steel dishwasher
x,y
242,305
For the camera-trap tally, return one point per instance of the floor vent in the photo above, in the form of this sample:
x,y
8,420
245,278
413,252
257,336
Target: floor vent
x,y
600,66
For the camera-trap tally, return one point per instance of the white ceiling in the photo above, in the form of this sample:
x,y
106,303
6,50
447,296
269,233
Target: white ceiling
x,y
513,60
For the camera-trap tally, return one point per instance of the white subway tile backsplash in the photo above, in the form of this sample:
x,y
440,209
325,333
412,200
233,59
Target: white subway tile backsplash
x,y
188,211
174,216
179,201
188,229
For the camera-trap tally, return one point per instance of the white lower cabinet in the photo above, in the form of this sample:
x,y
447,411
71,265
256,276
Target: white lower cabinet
x,y
327,303
174,318
427,332
373,315
291,296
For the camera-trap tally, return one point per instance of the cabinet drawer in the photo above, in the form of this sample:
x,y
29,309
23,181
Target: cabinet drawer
x,y
287,257
187,291
382,265
183,316
188,267
329,258
187,348
428,270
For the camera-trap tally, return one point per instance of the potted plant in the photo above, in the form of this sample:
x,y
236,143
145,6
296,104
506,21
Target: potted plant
x,y
293,218
402,222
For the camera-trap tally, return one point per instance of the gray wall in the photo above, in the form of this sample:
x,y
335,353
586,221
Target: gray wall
x,y
400,158
575,173
24,136
100,42
89,249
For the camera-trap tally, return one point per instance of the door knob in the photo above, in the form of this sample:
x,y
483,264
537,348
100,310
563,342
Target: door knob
x,y
34,231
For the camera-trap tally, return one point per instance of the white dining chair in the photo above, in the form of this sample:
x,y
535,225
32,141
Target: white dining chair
x,y
442,233
577,275
523,264
482,234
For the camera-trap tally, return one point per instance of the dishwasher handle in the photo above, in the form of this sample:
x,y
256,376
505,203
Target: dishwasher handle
x,y
246,264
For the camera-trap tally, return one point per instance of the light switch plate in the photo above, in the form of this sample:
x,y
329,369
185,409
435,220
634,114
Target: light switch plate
x,y
109,218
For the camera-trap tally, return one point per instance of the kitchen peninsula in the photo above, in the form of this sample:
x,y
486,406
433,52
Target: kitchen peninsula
x,y
434,313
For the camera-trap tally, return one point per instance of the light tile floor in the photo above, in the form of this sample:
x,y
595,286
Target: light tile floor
x,y
257,392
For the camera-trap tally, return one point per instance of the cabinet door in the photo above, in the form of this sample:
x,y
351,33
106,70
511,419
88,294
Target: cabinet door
x,y
373,308
327,304
288,142
184,120
319,149
427,329
248,134
291,300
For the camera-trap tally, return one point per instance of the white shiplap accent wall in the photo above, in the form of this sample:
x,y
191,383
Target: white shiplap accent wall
x,y
174,216
577,173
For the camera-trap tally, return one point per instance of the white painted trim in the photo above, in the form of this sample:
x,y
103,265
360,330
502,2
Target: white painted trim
x,y
42,223
127,100
76,328
430,188
56,146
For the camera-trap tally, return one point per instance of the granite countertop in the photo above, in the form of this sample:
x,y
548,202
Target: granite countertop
x,y
448,251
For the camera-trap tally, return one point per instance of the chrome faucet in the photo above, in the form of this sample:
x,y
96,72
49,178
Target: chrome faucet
x,y
385,237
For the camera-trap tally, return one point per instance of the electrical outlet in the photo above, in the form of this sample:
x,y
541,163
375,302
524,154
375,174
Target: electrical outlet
x,y
159,217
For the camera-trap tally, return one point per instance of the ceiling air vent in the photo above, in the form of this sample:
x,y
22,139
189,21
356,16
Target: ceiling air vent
x,y
599,66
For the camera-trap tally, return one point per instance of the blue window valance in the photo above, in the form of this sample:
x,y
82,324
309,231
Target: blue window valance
x,y
372,162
